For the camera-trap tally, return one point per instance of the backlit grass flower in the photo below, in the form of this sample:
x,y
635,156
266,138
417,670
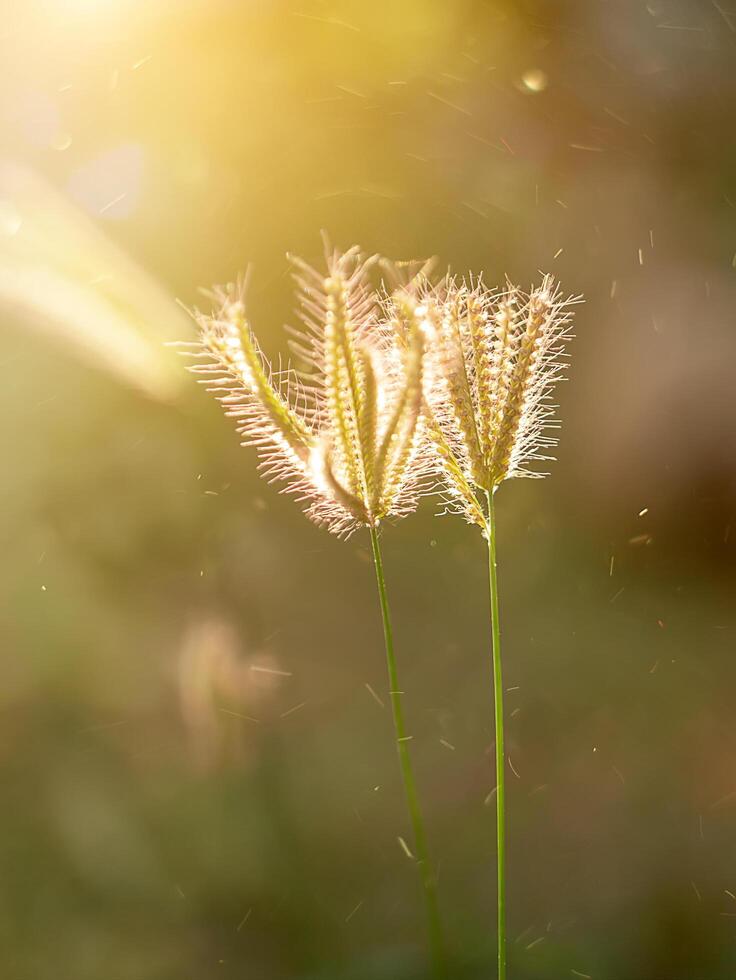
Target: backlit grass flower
x,y
494,358
346,438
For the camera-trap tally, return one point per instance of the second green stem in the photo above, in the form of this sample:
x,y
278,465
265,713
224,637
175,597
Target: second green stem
x,y
500,755
410,790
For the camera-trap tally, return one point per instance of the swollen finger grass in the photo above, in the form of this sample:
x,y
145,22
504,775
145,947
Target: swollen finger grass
x,y
493,359
346,435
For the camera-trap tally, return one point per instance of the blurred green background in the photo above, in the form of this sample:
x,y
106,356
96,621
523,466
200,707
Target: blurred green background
x,y
196,780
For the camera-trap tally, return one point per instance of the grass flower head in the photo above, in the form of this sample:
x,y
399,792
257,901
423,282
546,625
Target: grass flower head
x,y
345,436
494,358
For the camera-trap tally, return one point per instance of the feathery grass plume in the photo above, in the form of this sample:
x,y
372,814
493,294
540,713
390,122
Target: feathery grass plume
x,y
347,435
347,438
493,360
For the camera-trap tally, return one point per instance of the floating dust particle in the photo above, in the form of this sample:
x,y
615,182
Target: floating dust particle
x,y
450,105
244,919
680,27
351,91
724,799
101,728
534,80
725,16
349,916
374,695
482,139
330,21
614,115
290,711
237,714
474,209
111,204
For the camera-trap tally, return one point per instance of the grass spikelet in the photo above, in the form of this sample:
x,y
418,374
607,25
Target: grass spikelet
x,y
525,382
262,402
362,389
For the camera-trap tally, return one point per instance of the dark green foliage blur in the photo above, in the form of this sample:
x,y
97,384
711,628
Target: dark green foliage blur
x,y
197,780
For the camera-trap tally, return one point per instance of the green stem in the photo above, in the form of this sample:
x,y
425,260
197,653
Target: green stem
x,y
410,790
500,757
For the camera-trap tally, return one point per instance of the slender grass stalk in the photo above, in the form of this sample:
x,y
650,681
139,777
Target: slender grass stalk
x,y
500,753
412,800
493,359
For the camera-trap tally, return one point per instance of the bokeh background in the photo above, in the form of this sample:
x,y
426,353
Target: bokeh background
x,y
197,781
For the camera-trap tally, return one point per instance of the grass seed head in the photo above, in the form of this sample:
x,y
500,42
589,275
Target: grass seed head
x,y
345,435
494,359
